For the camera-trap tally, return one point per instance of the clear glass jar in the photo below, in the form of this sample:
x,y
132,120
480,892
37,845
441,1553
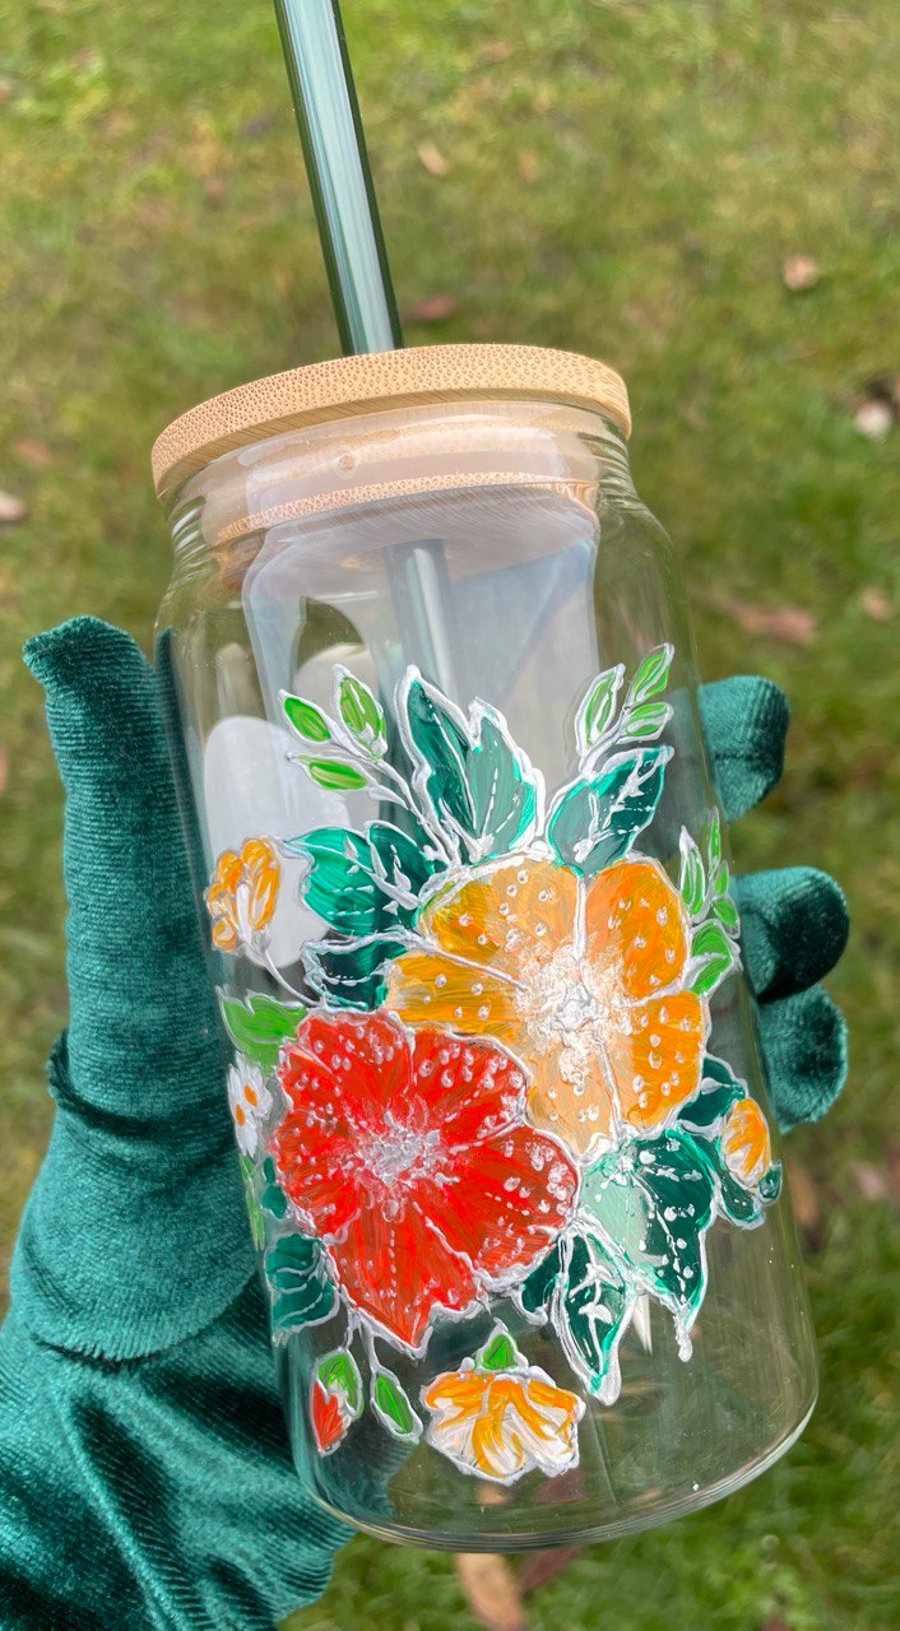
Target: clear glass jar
x,y
509,1163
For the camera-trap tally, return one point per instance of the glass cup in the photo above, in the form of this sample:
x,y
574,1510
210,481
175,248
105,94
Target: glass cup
x,y
508,1158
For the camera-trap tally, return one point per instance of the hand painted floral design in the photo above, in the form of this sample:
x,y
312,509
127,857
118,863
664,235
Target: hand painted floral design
x,y
502,1092
406,1153
499,1420
250,1102
241,898
583,979
746,1144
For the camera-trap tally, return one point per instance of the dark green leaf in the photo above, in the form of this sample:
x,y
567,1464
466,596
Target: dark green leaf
x,y
654,1198
740,1205
718,1091
308,720
499,1353
361,713
273,1198
591,1309
769,1187
350,975
393,1407
594,822
259,1026
535,1292
297,1271
361,883
333,774
481,787
652,676
597,708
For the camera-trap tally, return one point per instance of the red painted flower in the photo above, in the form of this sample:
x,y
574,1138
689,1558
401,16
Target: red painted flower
x,y
406,1153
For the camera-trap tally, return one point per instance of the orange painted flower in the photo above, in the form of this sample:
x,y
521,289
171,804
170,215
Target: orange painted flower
x,y
500,1424
746,1144
582,979
241,898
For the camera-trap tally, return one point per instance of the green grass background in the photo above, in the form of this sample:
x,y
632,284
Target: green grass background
x,y
625,179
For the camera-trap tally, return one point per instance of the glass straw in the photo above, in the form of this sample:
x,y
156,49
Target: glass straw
x,y
334,147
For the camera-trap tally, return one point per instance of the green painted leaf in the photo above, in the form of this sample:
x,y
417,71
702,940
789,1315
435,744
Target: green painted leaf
x,y
692,879
647,720
713,955
726,912
769,1187
482,789
714,841
308,720
652,676
297,1272
259,1026
535,1292
362,713
363,883
718,1091
654,1199
338,1373
594,822
592,1306
392,1407
597,708
350,975
499,1353
333,774
272,1199
254,1214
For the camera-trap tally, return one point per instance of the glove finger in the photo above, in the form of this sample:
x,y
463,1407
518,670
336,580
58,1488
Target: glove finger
x,y
794,928
745,721
134,1234
804,1044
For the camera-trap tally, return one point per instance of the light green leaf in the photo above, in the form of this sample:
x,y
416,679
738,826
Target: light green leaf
x,y
392,1407
647,721
307,720
692,878
594,822
597,708
362,713
713,955
727,913
652,676
498,1353
260,1025
338,1373
714,840
333,774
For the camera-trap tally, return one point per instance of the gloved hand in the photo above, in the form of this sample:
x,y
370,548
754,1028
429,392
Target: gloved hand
x,y
145,1476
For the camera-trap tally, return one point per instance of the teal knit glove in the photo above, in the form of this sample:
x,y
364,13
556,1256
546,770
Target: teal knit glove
x,y
145,1479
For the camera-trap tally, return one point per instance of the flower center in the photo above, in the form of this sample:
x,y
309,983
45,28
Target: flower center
x,y
398,1158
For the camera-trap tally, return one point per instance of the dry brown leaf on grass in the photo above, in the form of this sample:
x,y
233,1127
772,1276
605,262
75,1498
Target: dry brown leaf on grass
x,y
31,451
491,1590
4,770
12,509
800,272
875,603
432,159
794,624
432,308
527,166
775,1623
543,1566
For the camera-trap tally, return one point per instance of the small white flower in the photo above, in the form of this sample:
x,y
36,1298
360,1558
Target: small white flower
x,y
250,1102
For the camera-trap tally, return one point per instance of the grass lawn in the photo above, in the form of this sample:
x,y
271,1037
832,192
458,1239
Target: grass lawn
x,y
625,179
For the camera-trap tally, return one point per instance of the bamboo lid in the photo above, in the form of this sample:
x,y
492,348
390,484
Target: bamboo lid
x,y
379,380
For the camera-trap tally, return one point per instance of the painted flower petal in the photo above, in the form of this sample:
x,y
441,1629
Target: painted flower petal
x,y
746,1144
467,1086
262,872
398,1269
428,988
364,1058
635,926
572,1098
510,916
221,908
656,1056
508,1201
501,1425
